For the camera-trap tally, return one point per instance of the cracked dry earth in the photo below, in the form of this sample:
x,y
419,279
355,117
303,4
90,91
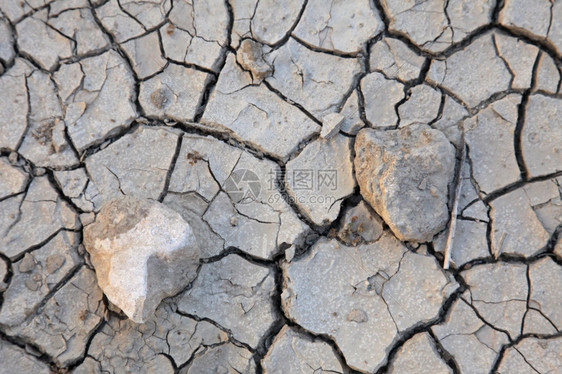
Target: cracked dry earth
x,y
174,100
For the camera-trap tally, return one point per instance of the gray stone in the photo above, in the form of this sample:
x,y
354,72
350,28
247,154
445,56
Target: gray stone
x,y
242,14
317,81
499,293
542,136
395,59
173,94
462,73
236,294
40,209
508,234
360,224
331,125
339,26
422,106
13,112
16,360
142,252
320,177
144,158
473,344
544,277
493,167
105,103
352,122
531,356
272,20
404,175
42,43
256,115
36,274
419,355
250,56
336,290
64,324
225,358
3,275
292,352
117,22
381,96
12,179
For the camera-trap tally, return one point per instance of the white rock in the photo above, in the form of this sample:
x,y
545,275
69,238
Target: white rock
x,y
292,352
142,252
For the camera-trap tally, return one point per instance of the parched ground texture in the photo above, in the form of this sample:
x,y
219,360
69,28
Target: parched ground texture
x,y
242,115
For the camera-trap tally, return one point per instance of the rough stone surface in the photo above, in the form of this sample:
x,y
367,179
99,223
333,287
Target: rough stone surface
x,y
541,136
41,208
473,344
317,81
142,252
255,114
532,355
12,179
295,353
499,293
395,59
241,119
508,235
364,310
404,175
234,293
339,26
320,177
419,355
461,73
381,95
493,168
